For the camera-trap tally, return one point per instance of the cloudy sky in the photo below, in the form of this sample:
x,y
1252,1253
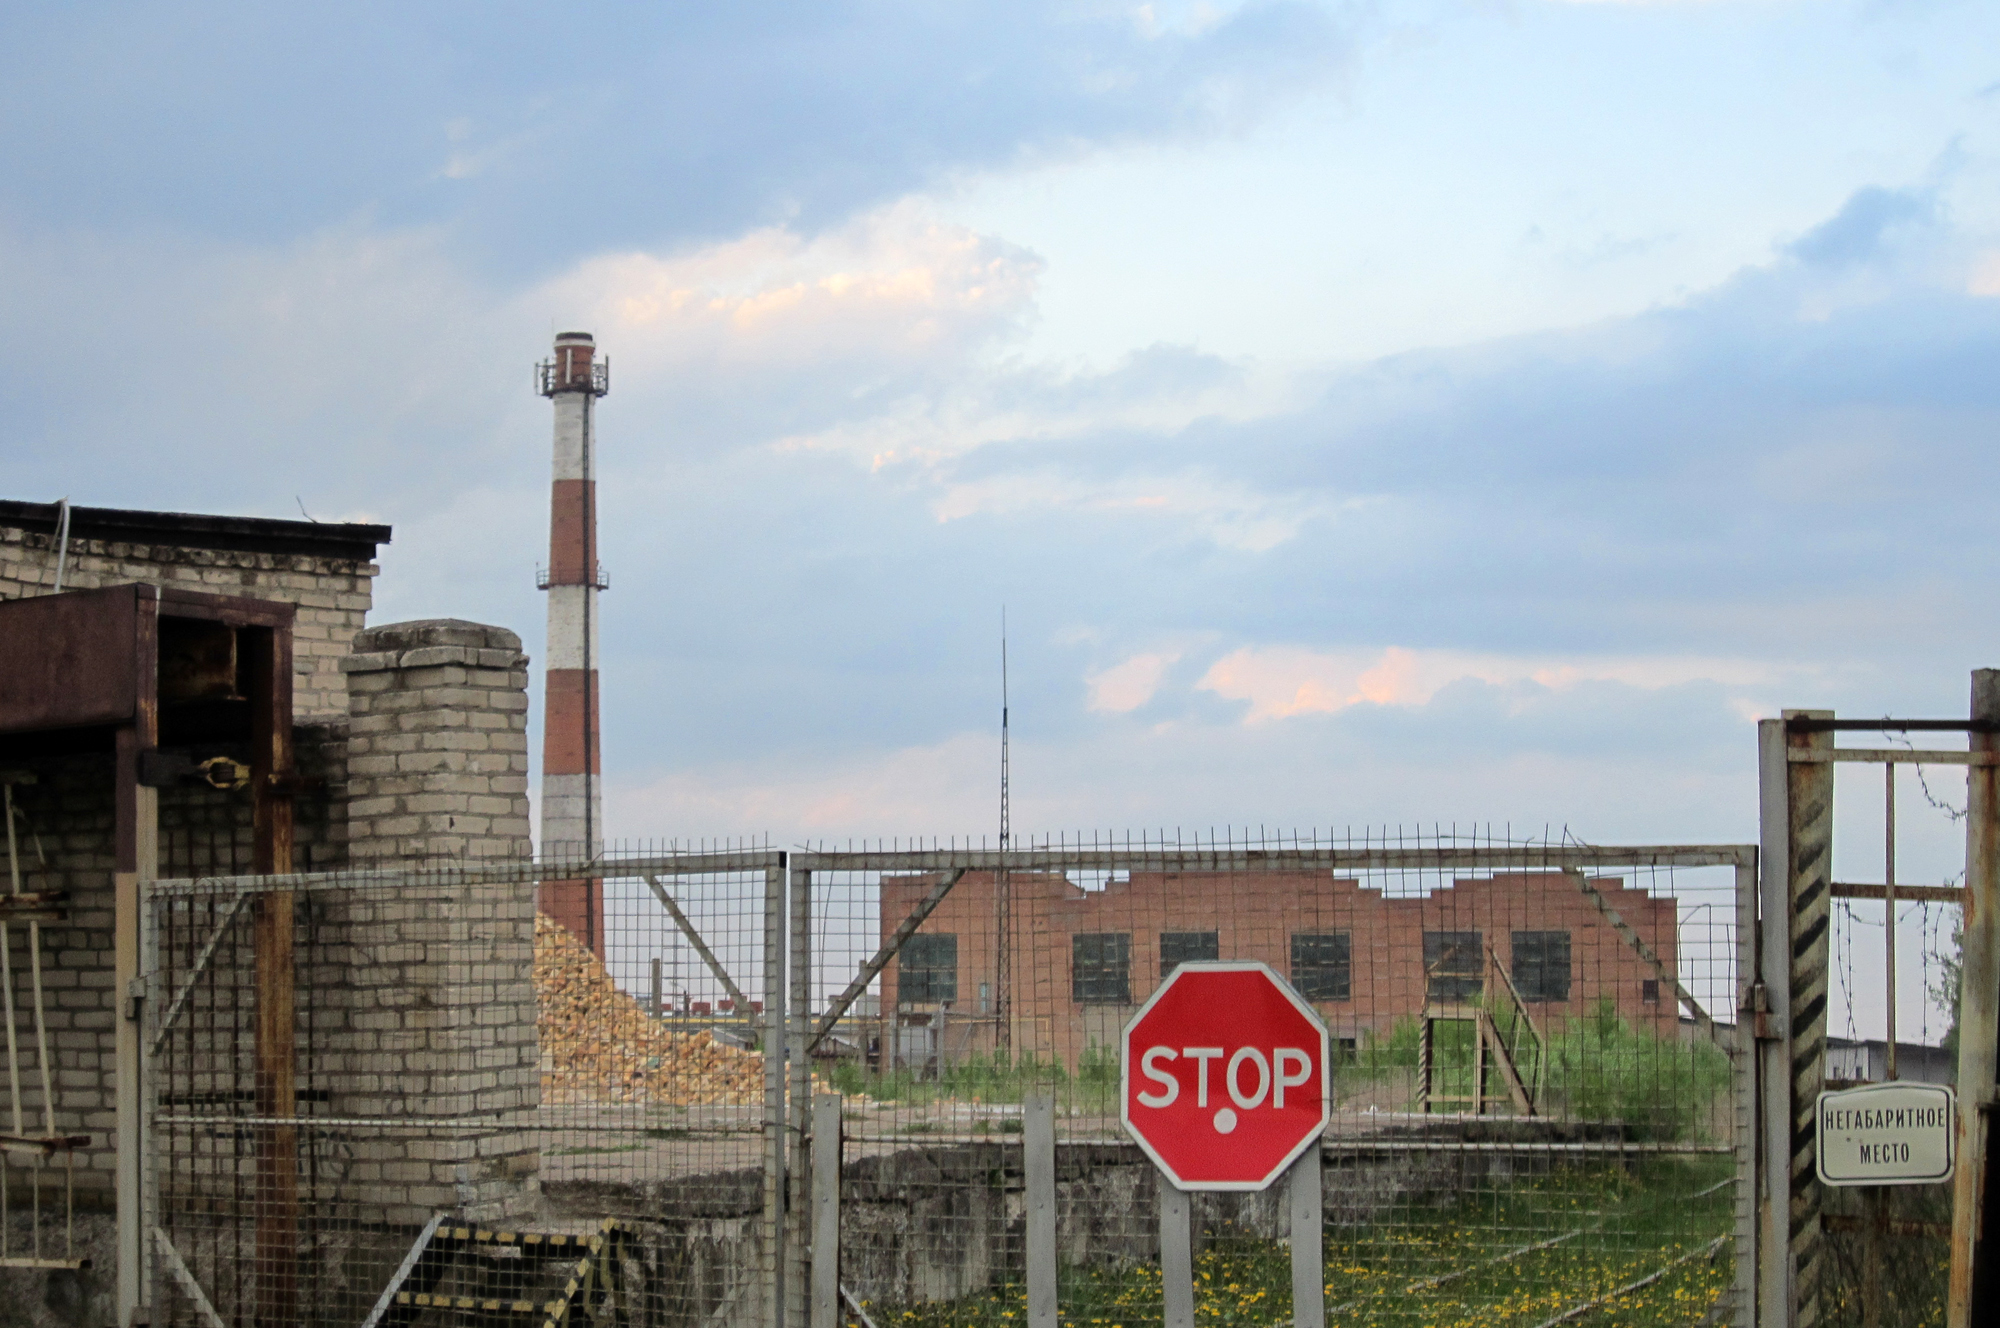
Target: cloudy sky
x,y
1409,412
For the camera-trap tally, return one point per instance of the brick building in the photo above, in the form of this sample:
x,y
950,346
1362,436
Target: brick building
x,y
1084,960
410,744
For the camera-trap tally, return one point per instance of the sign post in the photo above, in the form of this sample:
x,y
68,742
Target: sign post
x,y
1226,1083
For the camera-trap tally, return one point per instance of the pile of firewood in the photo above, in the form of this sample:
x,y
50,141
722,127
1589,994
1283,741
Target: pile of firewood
x,y
599,1045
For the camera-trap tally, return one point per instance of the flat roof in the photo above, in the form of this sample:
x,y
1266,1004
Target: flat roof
x,y
188,530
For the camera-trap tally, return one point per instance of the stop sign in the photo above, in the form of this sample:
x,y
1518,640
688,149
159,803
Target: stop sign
x,y
1224,1077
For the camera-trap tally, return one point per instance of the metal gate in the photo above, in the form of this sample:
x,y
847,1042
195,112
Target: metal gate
x,y
1865,1256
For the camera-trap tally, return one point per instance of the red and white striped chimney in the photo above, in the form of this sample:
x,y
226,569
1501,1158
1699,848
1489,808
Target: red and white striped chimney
x,y
572,802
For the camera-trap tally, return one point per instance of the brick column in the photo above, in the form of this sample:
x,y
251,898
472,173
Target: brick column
x,y
440,1003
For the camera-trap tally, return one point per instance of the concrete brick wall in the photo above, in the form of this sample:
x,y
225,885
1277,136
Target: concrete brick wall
x,y
438,1005
332,594
437,742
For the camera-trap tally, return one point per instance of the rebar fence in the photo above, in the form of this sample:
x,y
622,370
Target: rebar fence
x,y
788,1087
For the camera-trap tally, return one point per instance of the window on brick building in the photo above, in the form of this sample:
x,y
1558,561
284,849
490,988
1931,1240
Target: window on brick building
x,y
1186,947
1322,965
927,969
1454,964
1100,971
1541,965
1649,991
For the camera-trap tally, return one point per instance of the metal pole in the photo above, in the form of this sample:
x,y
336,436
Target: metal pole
x,y
1308,1273
1038,1139
62,547
826,1211
270,653
1003,882
774,1098
1745,1052
1425,1055
1972,1291
136,861
799,920
1176,1254
658,988
1775,1308
1889,907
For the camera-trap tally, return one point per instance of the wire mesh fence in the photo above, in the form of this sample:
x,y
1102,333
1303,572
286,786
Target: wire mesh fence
x,y
469,1110
454,1055
1534,1108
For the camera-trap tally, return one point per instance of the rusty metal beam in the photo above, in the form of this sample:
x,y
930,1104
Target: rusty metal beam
x,y
1916,894
269,656
1886,756
694,939
882,957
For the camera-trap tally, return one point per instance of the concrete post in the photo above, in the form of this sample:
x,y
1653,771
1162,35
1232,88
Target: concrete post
x,y
1038,1141
438,770
826,1211
1308,1255
1176,1253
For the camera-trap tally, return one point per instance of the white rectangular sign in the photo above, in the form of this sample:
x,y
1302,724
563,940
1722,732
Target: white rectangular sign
x,y
1885,1134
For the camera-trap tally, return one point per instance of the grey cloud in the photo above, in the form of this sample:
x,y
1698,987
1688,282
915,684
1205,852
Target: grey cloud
x,y
635,126
1857,233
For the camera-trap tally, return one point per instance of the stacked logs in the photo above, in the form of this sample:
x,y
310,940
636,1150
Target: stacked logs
x,y
599,1045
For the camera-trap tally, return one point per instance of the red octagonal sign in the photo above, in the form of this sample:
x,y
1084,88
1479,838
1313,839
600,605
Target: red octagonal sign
x,y
1224,1077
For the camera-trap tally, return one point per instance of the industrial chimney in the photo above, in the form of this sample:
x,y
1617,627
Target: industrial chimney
x,y
572,804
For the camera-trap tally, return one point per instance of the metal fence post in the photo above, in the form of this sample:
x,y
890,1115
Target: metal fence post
x,y
1809,808
1747,1050
1038,1140
1774,1046
1308,1274
1973,1278
798,1114
774,1098
825,1309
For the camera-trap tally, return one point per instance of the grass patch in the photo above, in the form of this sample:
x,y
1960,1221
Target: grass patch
x,y
1511,1257
1598,1067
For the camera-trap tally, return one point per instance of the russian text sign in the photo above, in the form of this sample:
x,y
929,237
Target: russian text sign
x,y
1224,1077
1885,1134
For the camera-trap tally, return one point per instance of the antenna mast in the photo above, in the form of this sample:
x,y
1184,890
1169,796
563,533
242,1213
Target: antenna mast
x,y
1003,886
